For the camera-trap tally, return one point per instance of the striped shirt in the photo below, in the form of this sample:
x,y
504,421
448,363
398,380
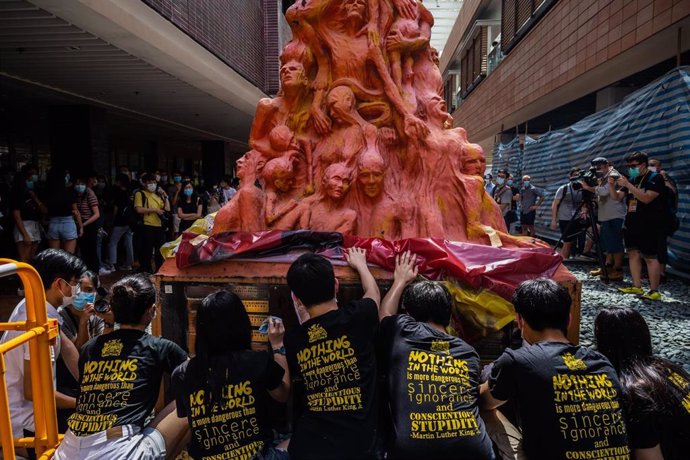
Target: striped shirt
x,y
85,203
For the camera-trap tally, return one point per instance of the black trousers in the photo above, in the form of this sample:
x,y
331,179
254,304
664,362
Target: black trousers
x,y
87,246
152,238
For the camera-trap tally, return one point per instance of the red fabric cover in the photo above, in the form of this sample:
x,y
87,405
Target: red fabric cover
x,y
497,269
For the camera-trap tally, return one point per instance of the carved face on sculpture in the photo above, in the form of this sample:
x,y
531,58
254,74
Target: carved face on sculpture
x,y
336,181
474,163
341,103
248,166
292,75
279,174
436,107
433,54
355,9
370,174
281,137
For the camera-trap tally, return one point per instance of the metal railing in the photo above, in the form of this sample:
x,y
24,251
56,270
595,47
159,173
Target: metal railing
x,y
39,331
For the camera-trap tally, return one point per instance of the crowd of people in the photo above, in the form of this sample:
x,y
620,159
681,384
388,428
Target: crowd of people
x,y
622,203
111,227
371,379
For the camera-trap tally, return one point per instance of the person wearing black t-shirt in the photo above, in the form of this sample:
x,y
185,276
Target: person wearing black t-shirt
x,y
332,354
656,391
120,377
229,380
568,398
189,206
644,232
432,378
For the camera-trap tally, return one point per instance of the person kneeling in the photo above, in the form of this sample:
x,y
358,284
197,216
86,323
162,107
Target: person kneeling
x,y
432,377
120,377
569,400
224,390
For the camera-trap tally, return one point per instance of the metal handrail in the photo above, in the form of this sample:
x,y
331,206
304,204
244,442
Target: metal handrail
x,y
39,331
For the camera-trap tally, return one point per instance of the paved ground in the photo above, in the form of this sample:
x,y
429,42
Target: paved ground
x,y
669,321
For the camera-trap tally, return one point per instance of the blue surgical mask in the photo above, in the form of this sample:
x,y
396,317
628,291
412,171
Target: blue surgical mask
x,y
188,192
67,179
34,178
82,299
80,188
510,181
525,183
177,179
633,172
30,184
500,181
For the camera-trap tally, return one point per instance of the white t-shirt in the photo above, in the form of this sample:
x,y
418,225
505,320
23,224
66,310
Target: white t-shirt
x,y
22,410
228,193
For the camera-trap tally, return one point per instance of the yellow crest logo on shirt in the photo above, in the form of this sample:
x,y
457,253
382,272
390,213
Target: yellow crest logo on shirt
x,y
440,346
316,332
112,348
573,363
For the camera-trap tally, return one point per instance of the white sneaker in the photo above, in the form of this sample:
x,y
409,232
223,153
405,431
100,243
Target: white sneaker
x,y
104,271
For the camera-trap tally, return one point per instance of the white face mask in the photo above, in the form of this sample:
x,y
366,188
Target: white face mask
x,y
652,168
67,300
151,187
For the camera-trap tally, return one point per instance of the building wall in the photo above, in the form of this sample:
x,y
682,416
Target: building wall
x,y
573,38
237,32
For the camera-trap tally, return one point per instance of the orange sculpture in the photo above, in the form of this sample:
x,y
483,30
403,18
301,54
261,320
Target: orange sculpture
x,y
359,139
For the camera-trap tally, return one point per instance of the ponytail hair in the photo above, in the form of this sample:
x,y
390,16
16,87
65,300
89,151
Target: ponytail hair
x,y
131,297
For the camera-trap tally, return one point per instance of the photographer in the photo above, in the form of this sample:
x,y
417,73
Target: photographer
x,y
643,235
563,208
610,215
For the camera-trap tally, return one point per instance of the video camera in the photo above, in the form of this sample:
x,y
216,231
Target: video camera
x,y
590,177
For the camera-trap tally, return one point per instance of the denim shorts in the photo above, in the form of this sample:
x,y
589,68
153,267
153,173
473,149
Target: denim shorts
x,y
611,236
62,228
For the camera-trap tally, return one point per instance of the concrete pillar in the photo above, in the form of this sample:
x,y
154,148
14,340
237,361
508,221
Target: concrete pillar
x,y
79,139
212,161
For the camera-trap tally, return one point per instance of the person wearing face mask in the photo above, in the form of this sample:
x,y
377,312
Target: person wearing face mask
x,y
64,224
559,388
643,191
90,213
504,197
27,210
489,185
152,203
530,199
671,221
80,323
60,272
189,207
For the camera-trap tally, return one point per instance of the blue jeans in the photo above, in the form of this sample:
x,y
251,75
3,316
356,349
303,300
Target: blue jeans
x,y
118,233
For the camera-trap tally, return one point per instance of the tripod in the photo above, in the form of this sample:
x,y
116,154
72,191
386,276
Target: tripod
x,y
588,203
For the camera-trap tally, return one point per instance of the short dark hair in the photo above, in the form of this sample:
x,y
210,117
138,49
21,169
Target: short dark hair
x,y
543,304
574,170
147,177
131,297
56,263
428,301
311,279
637,157
503,171
123,179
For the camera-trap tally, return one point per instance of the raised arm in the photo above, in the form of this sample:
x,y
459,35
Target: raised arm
x,y
276,332
357,258
406,271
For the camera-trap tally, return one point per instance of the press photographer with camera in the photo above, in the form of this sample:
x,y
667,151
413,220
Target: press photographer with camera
x,y
611,214
566,203
644,237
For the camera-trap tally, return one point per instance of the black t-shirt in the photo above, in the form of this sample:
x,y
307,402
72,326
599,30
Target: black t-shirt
x,y
334,356
569,401
28,209
670,430
59,202
123,200
188,208
120,378
238,425
640,213
433,391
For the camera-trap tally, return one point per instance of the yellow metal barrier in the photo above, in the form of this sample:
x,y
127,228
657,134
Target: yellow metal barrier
x,y
39,332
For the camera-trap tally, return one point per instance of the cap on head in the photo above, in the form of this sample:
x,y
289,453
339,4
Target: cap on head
x,y
598,161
